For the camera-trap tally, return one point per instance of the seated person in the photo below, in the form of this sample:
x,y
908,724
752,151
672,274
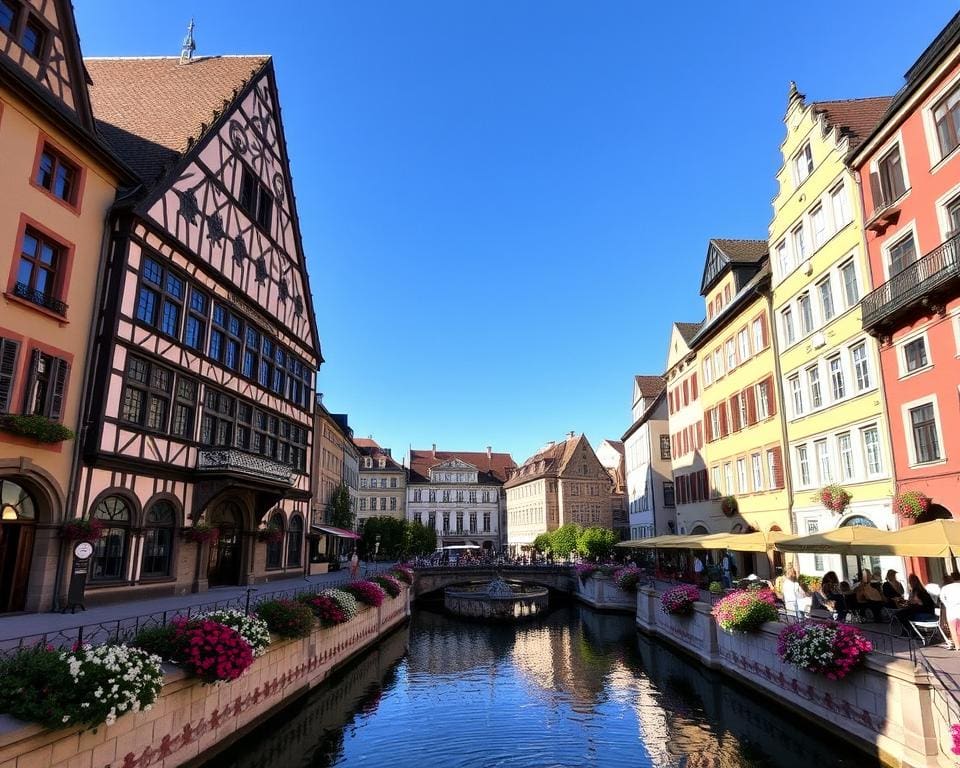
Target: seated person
x,y
920,606
893,592
868,598
830,597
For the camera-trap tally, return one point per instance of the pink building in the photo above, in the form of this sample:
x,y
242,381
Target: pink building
x,y
909,168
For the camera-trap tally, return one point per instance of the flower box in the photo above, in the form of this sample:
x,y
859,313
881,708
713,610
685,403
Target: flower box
x,y
38,428
679,600
272,534
201,533
85,529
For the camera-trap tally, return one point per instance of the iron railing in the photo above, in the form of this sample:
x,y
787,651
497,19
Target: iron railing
x,y
40,298
242,462
916,281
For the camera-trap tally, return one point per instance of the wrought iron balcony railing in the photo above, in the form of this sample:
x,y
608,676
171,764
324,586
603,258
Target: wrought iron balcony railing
x,y
243,463
918,283
40,298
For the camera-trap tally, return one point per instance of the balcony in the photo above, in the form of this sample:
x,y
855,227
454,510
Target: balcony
x,y
40,298
925,285
234,462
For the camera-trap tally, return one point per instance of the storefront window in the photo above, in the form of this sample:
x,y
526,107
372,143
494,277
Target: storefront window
x,y
110,550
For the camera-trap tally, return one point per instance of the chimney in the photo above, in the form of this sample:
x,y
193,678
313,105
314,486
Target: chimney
x,y
489,452
189,46
434,450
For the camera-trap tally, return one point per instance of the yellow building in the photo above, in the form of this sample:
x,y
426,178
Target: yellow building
x,y
836,425
57,182
742,422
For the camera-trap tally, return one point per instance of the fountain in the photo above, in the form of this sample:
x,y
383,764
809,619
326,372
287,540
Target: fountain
x,y
496,600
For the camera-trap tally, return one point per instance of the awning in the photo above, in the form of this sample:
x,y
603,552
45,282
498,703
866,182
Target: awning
x,y
849,540
738,542
650,543
938,538
342,533
757,541
462,546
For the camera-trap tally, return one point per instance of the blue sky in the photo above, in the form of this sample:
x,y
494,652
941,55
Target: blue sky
x,y
506,203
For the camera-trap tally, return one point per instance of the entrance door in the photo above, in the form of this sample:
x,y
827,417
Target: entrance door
x,y
224,566
18,520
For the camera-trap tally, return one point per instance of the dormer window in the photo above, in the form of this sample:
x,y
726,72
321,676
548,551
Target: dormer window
x,y
256,199
383,463
368,462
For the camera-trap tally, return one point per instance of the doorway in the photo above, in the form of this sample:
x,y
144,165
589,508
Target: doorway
x,y
18,521
225,554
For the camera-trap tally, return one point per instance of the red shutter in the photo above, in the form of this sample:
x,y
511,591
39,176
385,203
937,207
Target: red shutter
x,y
777,467
751,405
707,417
771,399
876,192
686,391
693,387
699,435
724,429
764,333
670,402
736,426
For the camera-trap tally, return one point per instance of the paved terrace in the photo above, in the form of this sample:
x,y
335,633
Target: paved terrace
x,y
108,622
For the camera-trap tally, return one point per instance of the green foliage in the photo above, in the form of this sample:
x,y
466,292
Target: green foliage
x,y
715,588
596,543
38,428
543,543
563,541
418,539
391,532
339,510
287,618
157,640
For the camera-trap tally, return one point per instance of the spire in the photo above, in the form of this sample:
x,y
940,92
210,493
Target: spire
x,y
189,46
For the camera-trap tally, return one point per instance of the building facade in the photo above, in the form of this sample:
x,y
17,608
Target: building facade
x,y
647,456
330,443
836,422
742,421
562,483
611,454
58,179
205,350
460,495
383,483
910,178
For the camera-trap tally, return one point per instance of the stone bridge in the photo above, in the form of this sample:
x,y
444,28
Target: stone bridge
x,y
558,577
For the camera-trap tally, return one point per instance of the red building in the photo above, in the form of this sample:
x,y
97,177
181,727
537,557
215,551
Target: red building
x,y
909,169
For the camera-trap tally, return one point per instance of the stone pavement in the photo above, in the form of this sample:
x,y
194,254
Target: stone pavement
x,y
105,622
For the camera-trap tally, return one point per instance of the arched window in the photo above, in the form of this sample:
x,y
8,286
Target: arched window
x,y
15,503
275,546
294,541
110,550
158,540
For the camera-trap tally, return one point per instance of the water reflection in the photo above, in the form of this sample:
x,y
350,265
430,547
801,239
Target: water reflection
x,y
575,688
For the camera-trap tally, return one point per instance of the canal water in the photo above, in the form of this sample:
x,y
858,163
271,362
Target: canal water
x,y
573,688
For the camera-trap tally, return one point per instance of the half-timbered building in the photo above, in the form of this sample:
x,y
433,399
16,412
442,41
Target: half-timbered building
x,y
206,346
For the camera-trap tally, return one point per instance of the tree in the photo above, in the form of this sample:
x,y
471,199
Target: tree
x,y
339,509
542,543
419,539
596,543
563,541
389,532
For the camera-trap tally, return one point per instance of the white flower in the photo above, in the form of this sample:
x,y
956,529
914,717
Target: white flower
x,y
66,718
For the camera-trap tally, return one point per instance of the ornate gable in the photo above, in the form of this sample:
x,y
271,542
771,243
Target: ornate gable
x,y
454,464
713,267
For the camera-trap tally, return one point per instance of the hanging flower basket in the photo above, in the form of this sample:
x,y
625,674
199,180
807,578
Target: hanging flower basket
x,y
729,506
82,530
272,534
911,504
201,533
835,498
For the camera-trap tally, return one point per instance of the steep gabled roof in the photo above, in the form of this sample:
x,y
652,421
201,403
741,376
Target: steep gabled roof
x,y
549,461
493,468
688,330
152,110
645,416
365,442
854,118
722,254
649,386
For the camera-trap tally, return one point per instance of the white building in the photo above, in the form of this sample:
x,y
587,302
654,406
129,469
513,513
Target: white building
x,y
611,455
647,454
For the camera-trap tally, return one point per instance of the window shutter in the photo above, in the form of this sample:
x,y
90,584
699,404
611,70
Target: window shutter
x,y
8,368
751,405
764,332
708,418
693,387
778,467
771,399
699,435
876,191
28,404
735,413
724,430
58,388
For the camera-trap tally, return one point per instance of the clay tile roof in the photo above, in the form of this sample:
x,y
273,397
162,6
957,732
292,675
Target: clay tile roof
x,y
147,109
855,118
548,461
688,330
617,445
742,251
650,386
365,442
494,468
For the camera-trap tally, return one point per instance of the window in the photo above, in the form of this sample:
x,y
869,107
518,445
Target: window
x,y
715,424
363,505
486,522
664,447
861,366
759,342
757,466
806,313
295,542
728,478
902,254
845,446
255,199
871,449
786,321
825,289
8,16
851,292
184,408
773,468
837,383
158,540
796,393
57,175
783,258
953,217
485,496
8,368
824,465
742,409
923,423
803,163
803,466
160,299
840,205
226,337
46,385
718,363
743,345
275,545
742,486
393,482
34,38
890,178
446,495
668,496
799,244
708,371
763,399
393,503
818,221
946,116
195,332
813,384
146,394
715,480
216,426
41,260
915,354
109,558
731,355
459,522
473,522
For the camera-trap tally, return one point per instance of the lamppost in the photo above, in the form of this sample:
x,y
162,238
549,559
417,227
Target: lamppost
x,y
376,549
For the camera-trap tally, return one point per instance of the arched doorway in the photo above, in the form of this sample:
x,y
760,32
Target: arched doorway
x,y
225,554
853,565
18,522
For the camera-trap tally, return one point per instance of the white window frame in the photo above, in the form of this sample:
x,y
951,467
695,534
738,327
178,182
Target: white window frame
x,y
796,395
742,484
902,354
905,409
762,400
909,227
937,159
756,464
803,461
824,461
868,361
783,260
834,398
895,142
802,172
708,370
728,478
818,242
771,469
786,321
941,203
743,344
846,476
810,386
839,192
756,329
800,252
730,352
805,299
866,452
851,262
718,362
826,280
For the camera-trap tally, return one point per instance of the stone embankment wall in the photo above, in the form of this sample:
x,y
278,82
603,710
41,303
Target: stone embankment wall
x,y
600,592
191,718
888,707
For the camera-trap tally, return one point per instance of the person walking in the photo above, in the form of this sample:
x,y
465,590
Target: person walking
x,y
794,595
354,565
950,604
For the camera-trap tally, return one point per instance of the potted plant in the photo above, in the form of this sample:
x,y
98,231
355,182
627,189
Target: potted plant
x,y
835,498
910,505
201,533
827,648
729,506
82,529
36,427
746,610
627,578
679,600
271,534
